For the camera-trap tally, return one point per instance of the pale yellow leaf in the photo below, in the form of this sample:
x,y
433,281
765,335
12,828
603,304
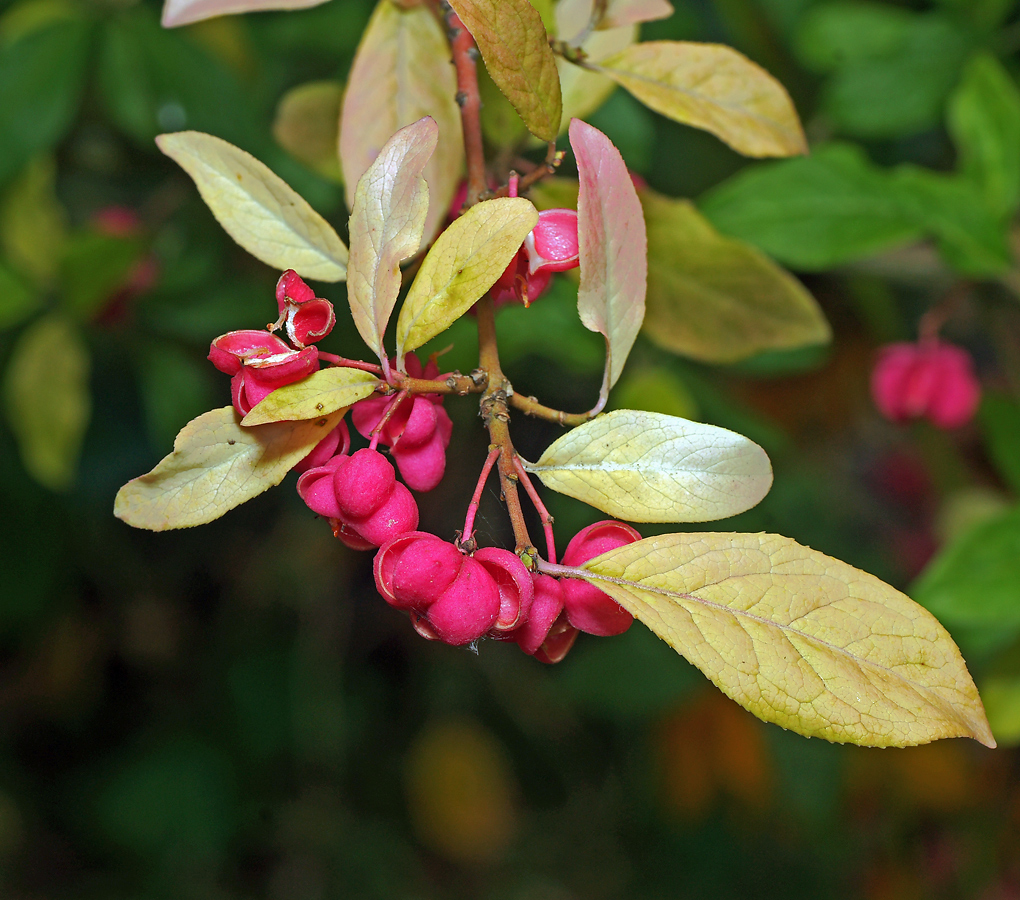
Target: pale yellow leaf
x,y
216,465
462,265
713,87
585,90
717,299
46,389
515,46
307,125
386,226
649,467
613,247
320,394
402,72
183,12
799,638
257,208
632,12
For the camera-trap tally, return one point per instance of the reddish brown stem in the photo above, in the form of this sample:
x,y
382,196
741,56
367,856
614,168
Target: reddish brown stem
x,y
465,53
467,537
553,158
547,520
377,431
335,360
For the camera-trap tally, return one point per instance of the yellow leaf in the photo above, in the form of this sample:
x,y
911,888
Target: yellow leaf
x,y
48,402
799,638
320,394
386,226
402,72
462,265
257,208
216,465
307,125
717,299
650,467
712,87
613,247
515,46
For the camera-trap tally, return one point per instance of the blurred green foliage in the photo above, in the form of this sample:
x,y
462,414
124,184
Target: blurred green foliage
x,y
233,713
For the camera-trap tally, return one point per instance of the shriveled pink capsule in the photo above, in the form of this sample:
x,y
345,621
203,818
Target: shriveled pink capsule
x,y
930,379
513,581
291,288
552,245
589,609
232,350
305,317
262,375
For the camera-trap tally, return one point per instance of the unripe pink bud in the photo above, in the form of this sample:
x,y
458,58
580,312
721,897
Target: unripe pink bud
x,y
468,608
513,581
363,484
930,379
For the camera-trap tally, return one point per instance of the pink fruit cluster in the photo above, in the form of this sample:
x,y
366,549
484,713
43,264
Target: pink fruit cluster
x,y
929,379
417,429
457,598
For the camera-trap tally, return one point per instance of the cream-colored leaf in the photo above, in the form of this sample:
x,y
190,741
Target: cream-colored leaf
x,y
257,208
799,638
649,467
462,265
712,87
632,12
320,394
717,299
515,46
184,12
390,205
573,17
402,72
46,389
216,465
613,247
307,125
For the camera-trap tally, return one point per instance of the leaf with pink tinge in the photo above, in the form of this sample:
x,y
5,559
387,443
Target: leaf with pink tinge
x,y
613,246
386,226
797,637
216,465
402,72
515,46
184,12
632,12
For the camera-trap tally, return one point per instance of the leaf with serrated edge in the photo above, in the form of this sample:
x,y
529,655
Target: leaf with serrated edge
x,y
216,465
402,72
717,299
386,226
712,87
650,467
184,12
799,638
515,47
257,208
462,265
320,394
613,248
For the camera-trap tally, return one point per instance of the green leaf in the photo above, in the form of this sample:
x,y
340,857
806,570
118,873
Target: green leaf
x,y
1001,694
401,73
307,125
712,87
973,580
649,467
951,209
833,35
386,226
184,12
798,638
613,247
41,79
17,302
33,223
716,299
94,267
257,208
216,465
1000,422
46,389
813,213
462,265
515,47
320,394
983,118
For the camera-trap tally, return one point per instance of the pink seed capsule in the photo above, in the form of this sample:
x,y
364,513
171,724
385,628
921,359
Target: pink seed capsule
x,y
558,642
426,568
336,443
589,609
315,487
398,514
422,467
513,581
363,484
552,245
291,288
545,609
467,608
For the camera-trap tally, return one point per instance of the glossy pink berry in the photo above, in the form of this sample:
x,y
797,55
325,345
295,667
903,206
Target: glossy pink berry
x,y
513,581
589,609
931,380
